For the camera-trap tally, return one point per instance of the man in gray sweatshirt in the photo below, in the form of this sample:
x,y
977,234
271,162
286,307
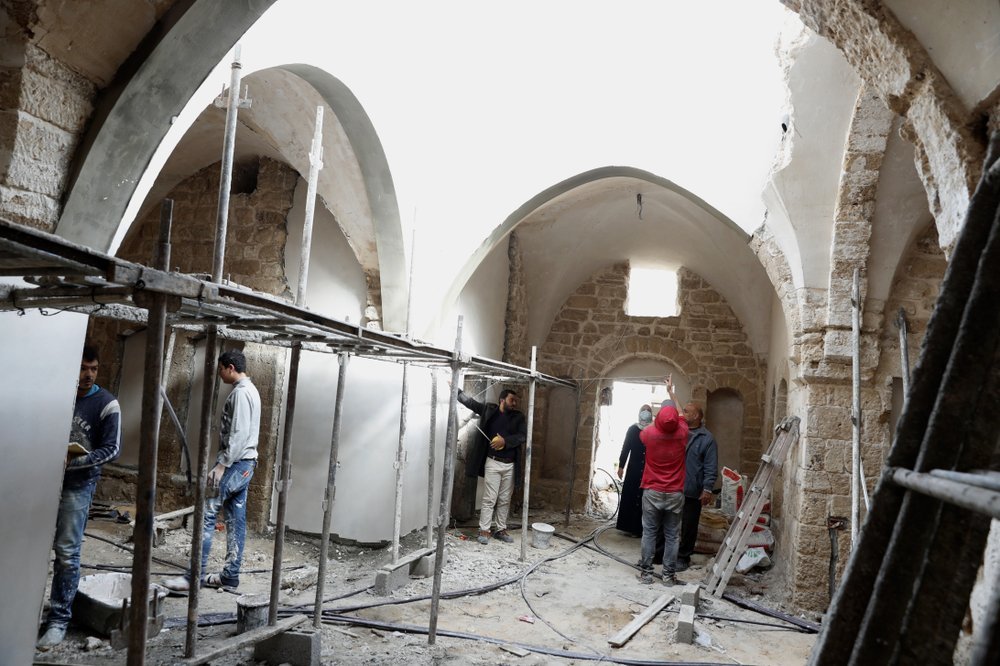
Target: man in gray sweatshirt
x,y
232,473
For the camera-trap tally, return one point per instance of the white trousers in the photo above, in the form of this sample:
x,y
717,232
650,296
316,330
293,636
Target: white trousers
x,y
499,480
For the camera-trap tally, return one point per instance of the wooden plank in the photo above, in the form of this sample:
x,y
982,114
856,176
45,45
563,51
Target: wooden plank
x,y
174,514
635,625
251,637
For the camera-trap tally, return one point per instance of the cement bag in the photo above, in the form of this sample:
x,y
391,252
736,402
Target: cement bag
x,y
761,537
732,491
754,557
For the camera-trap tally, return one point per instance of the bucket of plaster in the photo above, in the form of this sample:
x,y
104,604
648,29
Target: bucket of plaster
x,y
98,602
541,533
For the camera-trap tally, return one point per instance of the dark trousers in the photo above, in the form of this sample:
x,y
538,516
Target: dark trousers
x,y
690,516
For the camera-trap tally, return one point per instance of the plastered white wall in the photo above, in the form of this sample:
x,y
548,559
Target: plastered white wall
x,y
483,304
365,481
41,358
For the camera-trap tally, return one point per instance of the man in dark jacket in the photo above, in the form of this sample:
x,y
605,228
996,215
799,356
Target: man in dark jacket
x,y
493,456
94,440
701,471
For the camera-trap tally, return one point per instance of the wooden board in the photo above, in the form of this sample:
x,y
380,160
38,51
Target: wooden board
x,y
623,636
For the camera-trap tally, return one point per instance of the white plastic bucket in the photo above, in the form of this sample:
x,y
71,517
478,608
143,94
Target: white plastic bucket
x,y
541,533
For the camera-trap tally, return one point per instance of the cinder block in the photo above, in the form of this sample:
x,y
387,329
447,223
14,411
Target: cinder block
x,y
297,648
387,580
685,624
690,595
424,567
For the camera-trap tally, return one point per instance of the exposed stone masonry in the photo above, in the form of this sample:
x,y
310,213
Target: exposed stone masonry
x,y
255,247
591,335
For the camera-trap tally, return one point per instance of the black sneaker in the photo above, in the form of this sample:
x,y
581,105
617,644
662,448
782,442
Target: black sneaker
x,y
681,566
645,577
503,536
670,579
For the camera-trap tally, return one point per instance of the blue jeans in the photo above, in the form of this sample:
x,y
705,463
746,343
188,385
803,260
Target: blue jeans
x,y
233,498
74,505
660,510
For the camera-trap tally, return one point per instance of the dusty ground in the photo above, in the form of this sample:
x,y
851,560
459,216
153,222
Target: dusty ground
x,y
577,598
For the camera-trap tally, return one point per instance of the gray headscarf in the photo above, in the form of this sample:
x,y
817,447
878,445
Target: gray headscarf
x,y
645,416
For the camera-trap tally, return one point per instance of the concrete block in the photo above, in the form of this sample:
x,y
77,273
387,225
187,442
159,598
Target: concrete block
x,y
690,594
297,648
394,576
424,567
685,624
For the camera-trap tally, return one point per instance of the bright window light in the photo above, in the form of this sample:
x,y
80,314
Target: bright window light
x,y
652,292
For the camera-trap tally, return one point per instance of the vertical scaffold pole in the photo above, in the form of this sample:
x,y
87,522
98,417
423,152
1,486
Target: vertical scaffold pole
x,y
856,479
430,459
284,482
152,407
527,456
331,477
904,352
449,478
572,459
400,464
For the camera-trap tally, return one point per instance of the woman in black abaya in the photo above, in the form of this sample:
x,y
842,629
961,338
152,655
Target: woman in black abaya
x,y
631,462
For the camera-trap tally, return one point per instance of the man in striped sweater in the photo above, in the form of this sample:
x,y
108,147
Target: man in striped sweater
x,y
96,429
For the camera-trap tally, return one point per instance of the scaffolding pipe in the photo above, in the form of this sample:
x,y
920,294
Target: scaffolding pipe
x,y
856,480
904,352
331,477
397,521
430,460
152,407
449,477
226,177
527,456
284,483
572,460
315,165
198,520
959,493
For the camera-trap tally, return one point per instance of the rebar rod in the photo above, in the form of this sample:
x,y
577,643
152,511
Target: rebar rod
x,y
904,352
856,479
430,459
284,483
315,165
152,408
226,176
331,489
527,457
400,464
447,482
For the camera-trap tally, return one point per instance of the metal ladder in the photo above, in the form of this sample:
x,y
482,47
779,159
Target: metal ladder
x,y
735,543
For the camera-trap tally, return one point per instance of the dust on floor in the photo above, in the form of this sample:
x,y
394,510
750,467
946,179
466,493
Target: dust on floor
x,y
573,599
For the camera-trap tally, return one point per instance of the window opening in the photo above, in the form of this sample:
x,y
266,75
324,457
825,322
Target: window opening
x,y
652,292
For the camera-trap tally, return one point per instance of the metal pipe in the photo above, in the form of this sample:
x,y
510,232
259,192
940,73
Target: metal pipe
x,y
904,352
527,456
331,477
982,479
397,522
284,483
449,477
315,164
430,460
964,495
856,480
152,407
226,177
572,458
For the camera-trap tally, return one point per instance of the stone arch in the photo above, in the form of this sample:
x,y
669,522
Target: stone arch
x,y
140,105
903,74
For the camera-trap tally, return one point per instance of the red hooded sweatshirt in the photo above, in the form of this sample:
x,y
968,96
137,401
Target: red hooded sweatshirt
x,y
665,443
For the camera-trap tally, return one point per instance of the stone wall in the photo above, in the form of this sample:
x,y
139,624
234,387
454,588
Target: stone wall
x,y
591,335
44,107
255,247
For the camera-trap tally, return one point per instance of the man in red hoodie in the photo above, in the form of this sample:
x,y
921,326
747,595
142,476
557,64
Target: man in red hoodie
x,y
663,487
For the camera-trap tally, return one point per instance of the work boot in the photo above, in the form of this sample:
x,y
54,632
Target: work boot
x,y
484,537
53,636
645,577
503,536
670,579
